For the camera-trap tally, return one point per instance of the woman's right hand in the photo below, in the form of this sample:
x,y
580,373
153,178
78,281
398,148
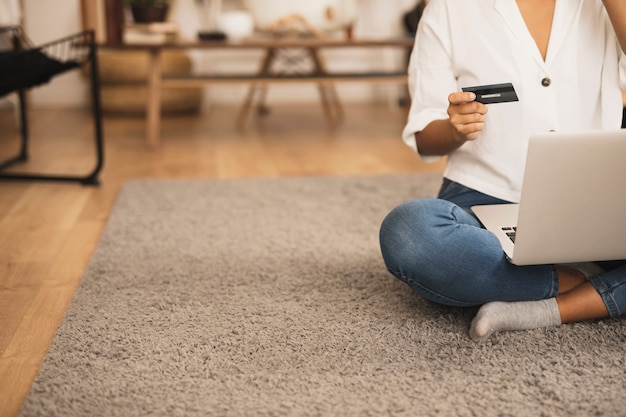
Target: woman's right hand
x,y
466,121
467,116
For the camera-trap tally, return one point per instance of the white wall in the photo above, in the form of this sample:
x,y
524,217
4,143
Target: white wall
x,y
47,20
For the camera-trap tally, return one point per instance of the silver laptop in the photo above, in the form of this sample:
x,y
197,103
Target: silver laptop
x,y
573,202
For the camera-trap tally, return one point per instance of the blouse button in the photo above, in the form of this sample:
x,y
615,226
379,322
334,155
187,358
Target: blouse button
x,y
546,82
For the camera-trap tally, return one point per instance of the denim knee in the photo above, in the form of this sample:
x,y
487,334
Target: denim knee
x,y
413,249
400,240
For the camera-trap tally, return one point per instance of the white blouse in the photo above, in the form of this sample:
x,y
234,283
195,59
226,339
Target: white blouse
x,y
462,43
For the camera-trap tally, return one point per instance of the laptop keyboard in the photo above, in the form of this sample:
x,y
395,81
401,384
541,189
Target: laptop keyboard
x,y
510,232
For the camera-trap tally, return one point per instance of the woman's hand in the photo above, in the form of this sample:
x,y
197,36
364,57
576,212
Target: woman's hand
x,y
465,122
466,116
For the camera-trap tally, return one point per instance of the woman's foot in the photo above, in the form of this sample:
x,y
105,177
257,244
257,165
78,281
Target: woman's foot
x,y
521,315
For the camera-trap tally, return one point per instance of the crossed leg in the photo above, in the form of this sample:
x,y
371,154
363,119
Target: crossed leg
x,y
577,300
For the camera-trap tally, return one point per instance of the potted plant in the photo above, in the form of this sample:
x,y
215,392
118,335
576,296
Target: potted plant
x,y
148,11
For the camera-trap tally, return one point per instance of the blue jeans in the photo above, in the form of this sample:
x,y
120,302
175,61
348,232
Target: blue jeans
x,y
441,250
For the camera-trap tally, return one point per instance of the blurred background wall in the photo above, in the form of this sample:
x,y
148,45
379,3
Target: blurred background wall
x,y
46,20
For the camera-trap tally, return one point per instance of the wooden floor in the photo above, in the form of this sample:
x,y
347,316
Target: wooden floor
x,y
49,230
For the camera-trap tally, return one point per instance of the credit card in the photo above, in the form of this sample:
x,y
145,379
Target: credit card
x,y
493,93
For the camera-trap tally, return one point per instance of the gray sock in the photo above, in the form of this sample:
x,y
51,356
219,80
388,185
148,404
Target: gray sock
x,y
522,315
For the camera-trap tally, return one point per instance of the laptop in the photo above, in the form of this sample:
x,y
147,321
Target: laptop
x,y
573,202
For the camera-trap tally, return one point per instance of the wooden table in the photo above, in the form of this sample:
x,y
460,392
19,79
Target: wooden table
x,y
320,75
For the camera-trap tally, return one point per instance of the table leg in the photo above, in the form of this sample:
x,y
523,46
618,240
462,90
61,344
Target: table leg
x,y
153,109
255,88
328,94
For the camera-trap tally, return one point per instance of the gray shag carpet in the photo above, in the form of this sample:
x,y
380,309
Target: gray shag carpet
x,y
268,297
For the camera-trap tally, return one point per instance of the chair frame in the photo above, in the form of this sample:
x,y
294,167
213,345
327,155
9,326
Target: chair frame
x,y
21,43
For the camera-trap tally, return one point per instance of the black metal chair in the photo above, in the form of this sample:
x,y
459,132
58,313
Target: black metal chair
x,y
24,66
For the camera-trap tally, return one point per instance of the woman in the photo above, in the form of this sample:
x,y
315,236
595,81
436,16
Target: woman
x,y
566,64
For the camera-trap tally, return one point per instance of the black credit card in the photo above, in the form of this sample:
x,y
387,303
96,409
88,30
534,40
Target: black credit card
x,y
493,93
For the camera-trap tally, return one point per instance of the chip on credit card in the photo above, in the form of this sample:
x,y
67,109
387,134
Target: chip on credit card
x,y
493,93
